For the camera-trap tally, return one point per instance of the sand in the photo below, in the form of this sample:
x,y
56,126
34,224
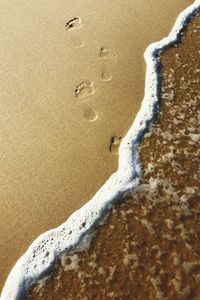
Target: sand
x,y
149,246
68,95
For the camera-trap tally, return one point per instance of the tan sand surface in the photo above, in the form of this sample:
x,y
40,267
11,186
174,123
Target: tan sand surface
x,y
65,93
149,247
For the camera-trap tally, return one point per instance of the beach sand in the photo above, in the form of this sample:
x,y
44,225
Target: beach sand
x,y
149,247
68,96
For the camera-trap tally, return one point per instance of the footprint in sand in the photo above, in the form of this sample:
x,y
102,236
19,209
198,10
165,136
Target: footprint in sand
x,y
89,114
106,75
107,54
84,89
72,24
114,144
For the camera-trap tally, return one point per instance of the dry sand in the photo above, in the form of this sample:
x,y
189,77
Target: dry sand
x,y
55,133
149,247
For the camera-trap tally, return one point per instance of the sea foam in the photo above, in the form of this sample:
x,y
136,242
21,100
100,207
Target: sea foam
x,y
76,232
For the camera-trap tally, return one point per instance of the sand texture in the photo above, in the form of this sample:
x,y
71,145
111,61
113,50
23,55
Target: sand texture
x,y
71,83
149,246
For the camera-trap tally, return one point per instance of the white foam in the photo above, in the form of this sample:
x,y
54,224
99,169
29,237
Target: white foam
x,y
73,233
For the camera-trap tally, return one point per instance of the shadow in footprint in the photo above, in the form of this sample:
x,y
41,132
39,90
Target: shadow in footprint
x,y
73,24
114,144
84,89
106,53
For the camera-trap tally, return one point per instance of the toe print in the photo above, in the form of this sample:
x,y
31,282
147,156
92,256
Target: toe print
x,y
84,89
73,24
106,53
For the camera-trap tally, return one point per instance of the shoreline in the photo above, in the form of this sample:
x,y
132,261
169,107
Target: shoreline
x,y
125,179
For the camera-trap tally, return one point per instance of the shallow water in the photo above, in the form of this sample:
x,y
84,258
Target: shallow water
x,y
67,93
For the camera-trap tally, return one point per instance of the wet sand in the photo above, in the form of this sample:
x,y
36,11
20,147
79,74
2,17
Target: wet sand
x,y
68,94
149,247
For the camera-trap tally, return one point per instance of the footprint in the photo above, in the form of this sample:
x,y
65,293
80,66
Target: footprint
x,y
106,53
89,114
114,144
84,89
76,41
73,23
106,75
